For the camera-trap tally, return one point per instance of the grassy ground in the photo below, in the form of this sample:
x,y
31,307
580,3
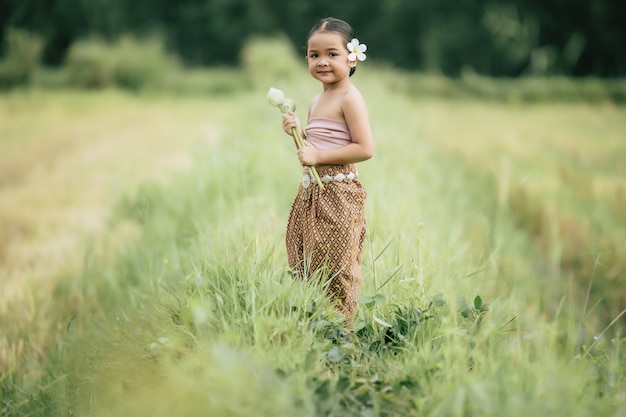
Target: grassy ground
x,y
67,156
145,271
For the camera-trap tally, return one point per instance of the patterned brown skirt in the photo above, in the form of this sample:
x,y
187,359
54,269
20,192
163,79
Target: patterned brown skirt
x,y
325,234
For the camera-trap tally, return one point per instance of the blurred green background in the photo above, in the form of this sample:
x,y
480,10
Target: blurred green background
x,y
449,37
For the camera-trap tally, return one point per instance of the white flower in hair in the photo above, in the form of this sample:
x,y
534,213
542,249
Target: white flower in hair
x,y
356,50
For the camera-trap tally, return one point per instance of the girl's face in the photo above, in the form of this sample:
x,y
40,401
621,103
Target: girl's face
x,y
327,56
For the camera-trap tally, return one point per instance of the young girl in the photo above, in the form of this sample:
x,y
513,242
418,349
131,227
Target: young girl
x,y
326,226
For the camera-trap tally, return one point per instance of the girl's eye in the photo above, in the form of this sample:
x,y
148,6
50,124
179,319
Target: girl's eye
x,y
313,56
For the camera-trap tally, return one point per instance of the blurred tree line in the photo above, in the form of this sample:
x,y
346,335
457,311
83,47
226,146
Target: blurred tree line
x,y
490,37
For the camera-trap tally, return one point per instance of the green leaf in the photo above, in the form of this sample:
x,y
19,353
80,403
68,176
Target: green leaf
x,y
364,299
323,390
478,302
343,383
379,298
335,354
370,302
439,299
368,412
381,322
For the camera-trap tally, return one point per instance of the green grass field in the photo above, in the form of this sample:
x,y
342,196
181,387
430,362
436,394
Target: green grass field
x,y
144,273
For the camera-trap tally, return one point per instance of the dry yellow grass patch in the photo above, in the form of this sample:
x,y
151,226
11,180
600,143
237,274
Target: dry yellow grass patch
x,y
558,171
67,157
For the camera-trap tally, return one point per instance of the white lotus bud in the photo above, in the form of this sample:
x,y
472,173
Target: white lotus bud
x,y
276,97
289,104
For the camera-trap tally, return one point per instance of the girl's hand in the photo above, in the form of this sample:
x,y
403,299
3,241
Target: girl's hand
x,y
290,120
308,155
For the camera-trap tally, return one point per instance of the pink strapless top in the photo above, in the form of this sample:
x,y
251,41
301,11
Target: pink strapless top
x,y
326,133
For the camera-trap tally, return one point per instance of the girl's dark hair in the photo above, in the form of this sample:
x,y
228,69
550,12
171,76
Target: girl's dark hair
x,y
331,24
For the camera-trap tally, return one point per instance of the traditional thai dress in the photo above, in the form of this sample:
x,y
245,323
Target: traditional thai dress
x,y
326,227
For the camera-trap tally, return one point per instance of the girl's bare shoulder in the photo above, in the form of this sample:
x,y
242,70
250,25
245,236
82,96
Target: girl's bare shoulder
x,y
353,99
353,93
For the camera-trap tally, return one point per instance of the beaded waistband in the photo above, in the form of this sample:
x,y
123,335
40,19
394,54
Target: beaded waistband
x,y
307,180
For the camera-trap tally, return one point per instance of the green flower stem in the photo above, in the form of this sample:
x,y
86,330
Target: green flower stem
x,y
312,169
277,98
